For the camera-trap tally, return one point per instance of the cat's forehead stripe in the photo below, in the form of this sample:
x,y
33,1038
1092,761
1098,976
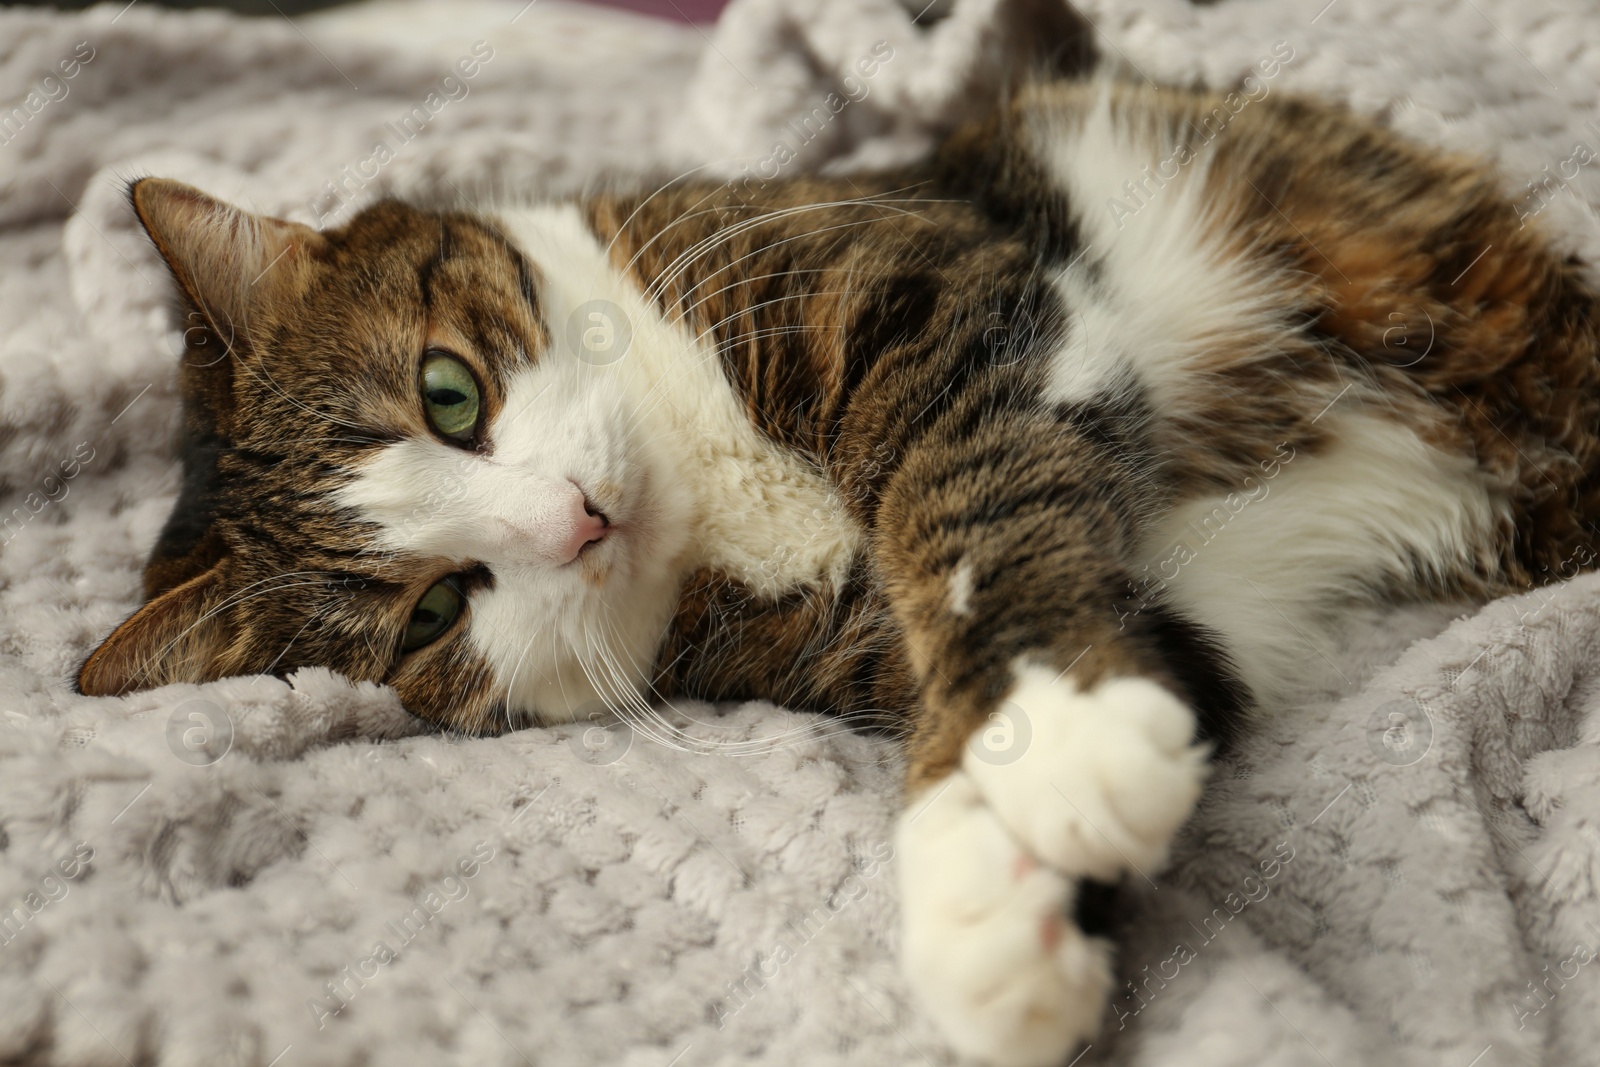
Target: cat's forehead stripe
x,y
519,264
470,253
425,272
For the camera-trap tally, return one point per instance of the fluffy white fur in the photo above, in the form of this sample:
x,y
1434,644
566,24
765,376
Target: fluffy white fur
x,y
1102,779
985,943
1327,531
1151,292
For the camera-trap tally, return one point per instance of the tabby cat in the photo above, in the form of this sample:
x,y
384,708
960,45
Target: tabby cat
x,y
1082,427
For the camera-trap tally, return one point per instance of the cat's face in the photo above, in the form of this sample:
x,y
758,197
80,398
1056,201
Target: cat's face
x,y
396,468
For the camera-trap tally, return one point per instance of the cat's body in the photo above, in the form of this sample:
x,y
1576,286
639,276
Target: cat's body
x,y
1066,426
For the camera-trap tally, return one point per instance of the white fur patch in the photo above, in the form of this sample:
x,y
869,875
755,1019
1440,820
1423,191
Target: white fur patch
x,y
986,942
1150,293
1269,568
1096,783
961,588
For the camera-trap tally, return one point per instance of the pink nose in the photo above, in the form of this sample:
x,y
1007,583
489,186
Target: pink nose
x,y
560,526
587,528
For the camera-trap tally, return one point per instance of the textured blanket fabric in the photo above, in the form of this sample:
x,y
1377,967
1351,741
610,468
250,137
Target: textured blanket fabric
x,y
1406,870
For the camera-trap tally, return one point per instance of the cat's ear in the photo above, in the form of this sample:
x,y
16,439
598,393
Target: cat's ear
x,y
221,256
175,637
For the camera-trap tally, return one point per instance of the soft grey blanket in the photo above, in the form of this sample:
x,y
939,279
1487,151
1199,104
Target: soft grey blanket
x,y
1406,870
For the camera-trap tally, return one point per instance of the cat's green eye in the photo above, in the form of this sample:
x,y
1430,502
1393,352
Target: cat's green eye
x,y
449,395
432,616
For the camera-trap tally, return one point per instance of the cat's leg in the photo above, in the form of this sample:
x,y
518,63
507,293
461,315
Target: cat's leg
x,y
1055,741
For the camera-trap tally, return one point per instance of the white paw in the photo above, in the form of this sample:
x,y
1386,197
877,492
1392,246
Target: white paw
x,y
1094,783
987,945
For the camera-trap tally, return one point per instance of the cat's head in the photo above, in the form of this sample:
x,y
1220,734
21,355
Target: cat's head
x,y
396,468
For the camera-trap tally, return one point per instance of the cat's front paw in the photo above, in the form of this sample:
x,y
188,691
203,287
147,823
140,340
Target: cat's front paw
x,y
987,943
1094,783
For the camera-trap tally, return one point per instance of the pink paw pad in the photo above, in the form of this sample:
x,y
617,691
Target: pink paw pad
x,y
1050,932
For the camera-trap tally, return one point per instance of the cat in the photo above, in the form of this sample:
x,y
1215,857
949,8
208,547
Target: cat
x,y
1085,430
